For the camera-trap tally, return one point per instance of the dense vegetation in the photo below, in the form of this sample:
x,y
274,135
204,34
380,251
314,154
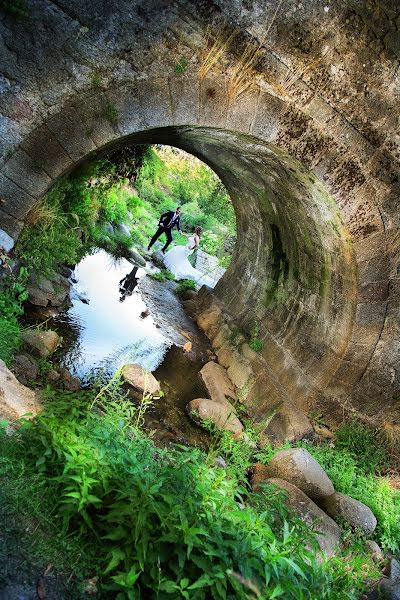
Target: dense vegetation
x,y
114,203
116,499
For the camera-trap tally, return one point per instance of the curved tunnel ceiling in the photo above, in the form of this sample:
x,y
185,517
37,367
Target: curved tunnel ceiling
x,y
316,259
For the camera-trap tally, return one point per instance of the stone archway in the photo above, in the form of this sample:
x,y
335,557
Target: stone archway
x,y
319,270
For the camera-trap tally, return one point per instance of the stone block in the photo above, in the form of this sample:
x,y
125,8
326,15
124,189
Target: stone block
x,y
13,199
11,226
99,117
154,99
287,424
355,513
43,147
243,109
213,102
16,400
376,291
28,175
71,133
217,383
268,117
129,109
184,95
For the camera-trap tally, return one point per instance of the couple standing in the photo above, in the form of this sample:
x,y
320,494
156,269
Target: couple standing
x,y
176,260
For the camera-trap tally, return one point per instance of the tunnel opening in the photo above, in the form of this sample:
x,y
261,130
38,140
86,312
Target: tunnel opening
x,y
290,287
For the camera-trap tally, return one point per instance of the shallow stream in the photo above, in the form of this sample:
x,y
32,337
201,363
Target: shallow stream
x,y
149,327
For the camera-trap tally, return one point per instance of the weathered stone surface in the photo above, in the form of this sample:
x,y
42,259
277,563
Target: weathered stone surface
x,y
15,399
122,229
357,514
390,587
136,257
6,241
298,467
376,551
329,533
139,380
287,424
221,415
217,383
303,227
69,381
258,476
25,368
41,343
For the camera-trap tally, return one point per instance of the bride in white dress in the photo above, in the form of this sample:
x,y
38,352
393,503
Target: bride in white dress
x,y
176,261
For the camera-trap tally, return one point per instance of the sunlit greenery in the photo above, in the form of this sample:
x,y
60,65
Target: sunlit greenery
x,y
171,522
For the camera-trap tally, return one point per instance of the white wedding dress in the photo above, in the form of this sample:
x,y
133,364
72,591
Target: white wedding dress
x,y
176,261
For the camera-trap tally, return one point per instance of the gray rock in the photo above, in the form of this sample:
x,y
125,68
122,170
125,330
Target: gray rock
x,y
122,228
52,375
15,399
329,533
355,513
299,468
6,241
219,462
70,382
139,381
41,343
66,271
136,257
25,368
108,228
221,415
37,296
376,551
158,258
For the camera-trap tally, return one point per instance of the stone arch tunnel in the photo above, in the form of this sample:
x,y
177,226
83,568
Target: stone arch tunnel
x,y
294,106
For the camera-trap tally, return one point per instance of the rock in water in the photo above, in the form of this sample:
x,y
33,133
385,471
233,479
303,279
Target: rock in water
x,y
139,381
329,533
299,468
25,368
15,399
42,343
354,512
221,415
136,257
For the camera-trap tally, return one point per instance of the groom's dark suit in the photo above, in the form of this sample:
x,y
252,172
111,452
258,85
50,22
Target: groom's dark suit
x,y
165,225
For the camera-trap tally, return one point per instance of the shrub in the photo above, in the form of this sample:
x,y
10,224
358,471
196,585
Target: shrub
x,y
170,523
184,285
10,338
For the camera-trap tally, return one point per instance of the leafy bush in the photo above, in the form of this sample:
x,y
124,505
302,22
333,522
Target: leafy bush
x,y
10,338
184,285
12,296
113,483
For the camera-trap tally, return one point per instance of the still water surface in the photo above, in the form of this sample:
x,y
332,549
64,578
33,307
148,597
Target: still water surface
x,y
100,332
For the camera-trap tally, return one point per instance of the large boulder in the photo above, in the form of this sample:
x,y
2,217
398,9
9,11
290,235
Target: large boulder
x,y
217,383
158,258
221,415
288,424
329,532
355,513
390,587
139,381
41,343
299,468
15,399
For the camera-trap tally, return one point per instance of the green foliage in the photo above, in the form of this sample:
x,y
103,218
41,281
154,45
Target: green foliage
x,y
163,275
255,342
112,483
184,285
17,9
352,465
181,66
111,113
10,338
12,295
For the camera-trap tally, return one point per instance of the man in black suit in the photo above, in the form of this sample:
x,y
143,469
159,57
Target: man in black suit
x,y
166,223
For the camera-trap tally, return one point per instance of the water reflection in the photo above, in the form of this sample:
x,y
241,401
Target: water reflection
x,y
103,328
